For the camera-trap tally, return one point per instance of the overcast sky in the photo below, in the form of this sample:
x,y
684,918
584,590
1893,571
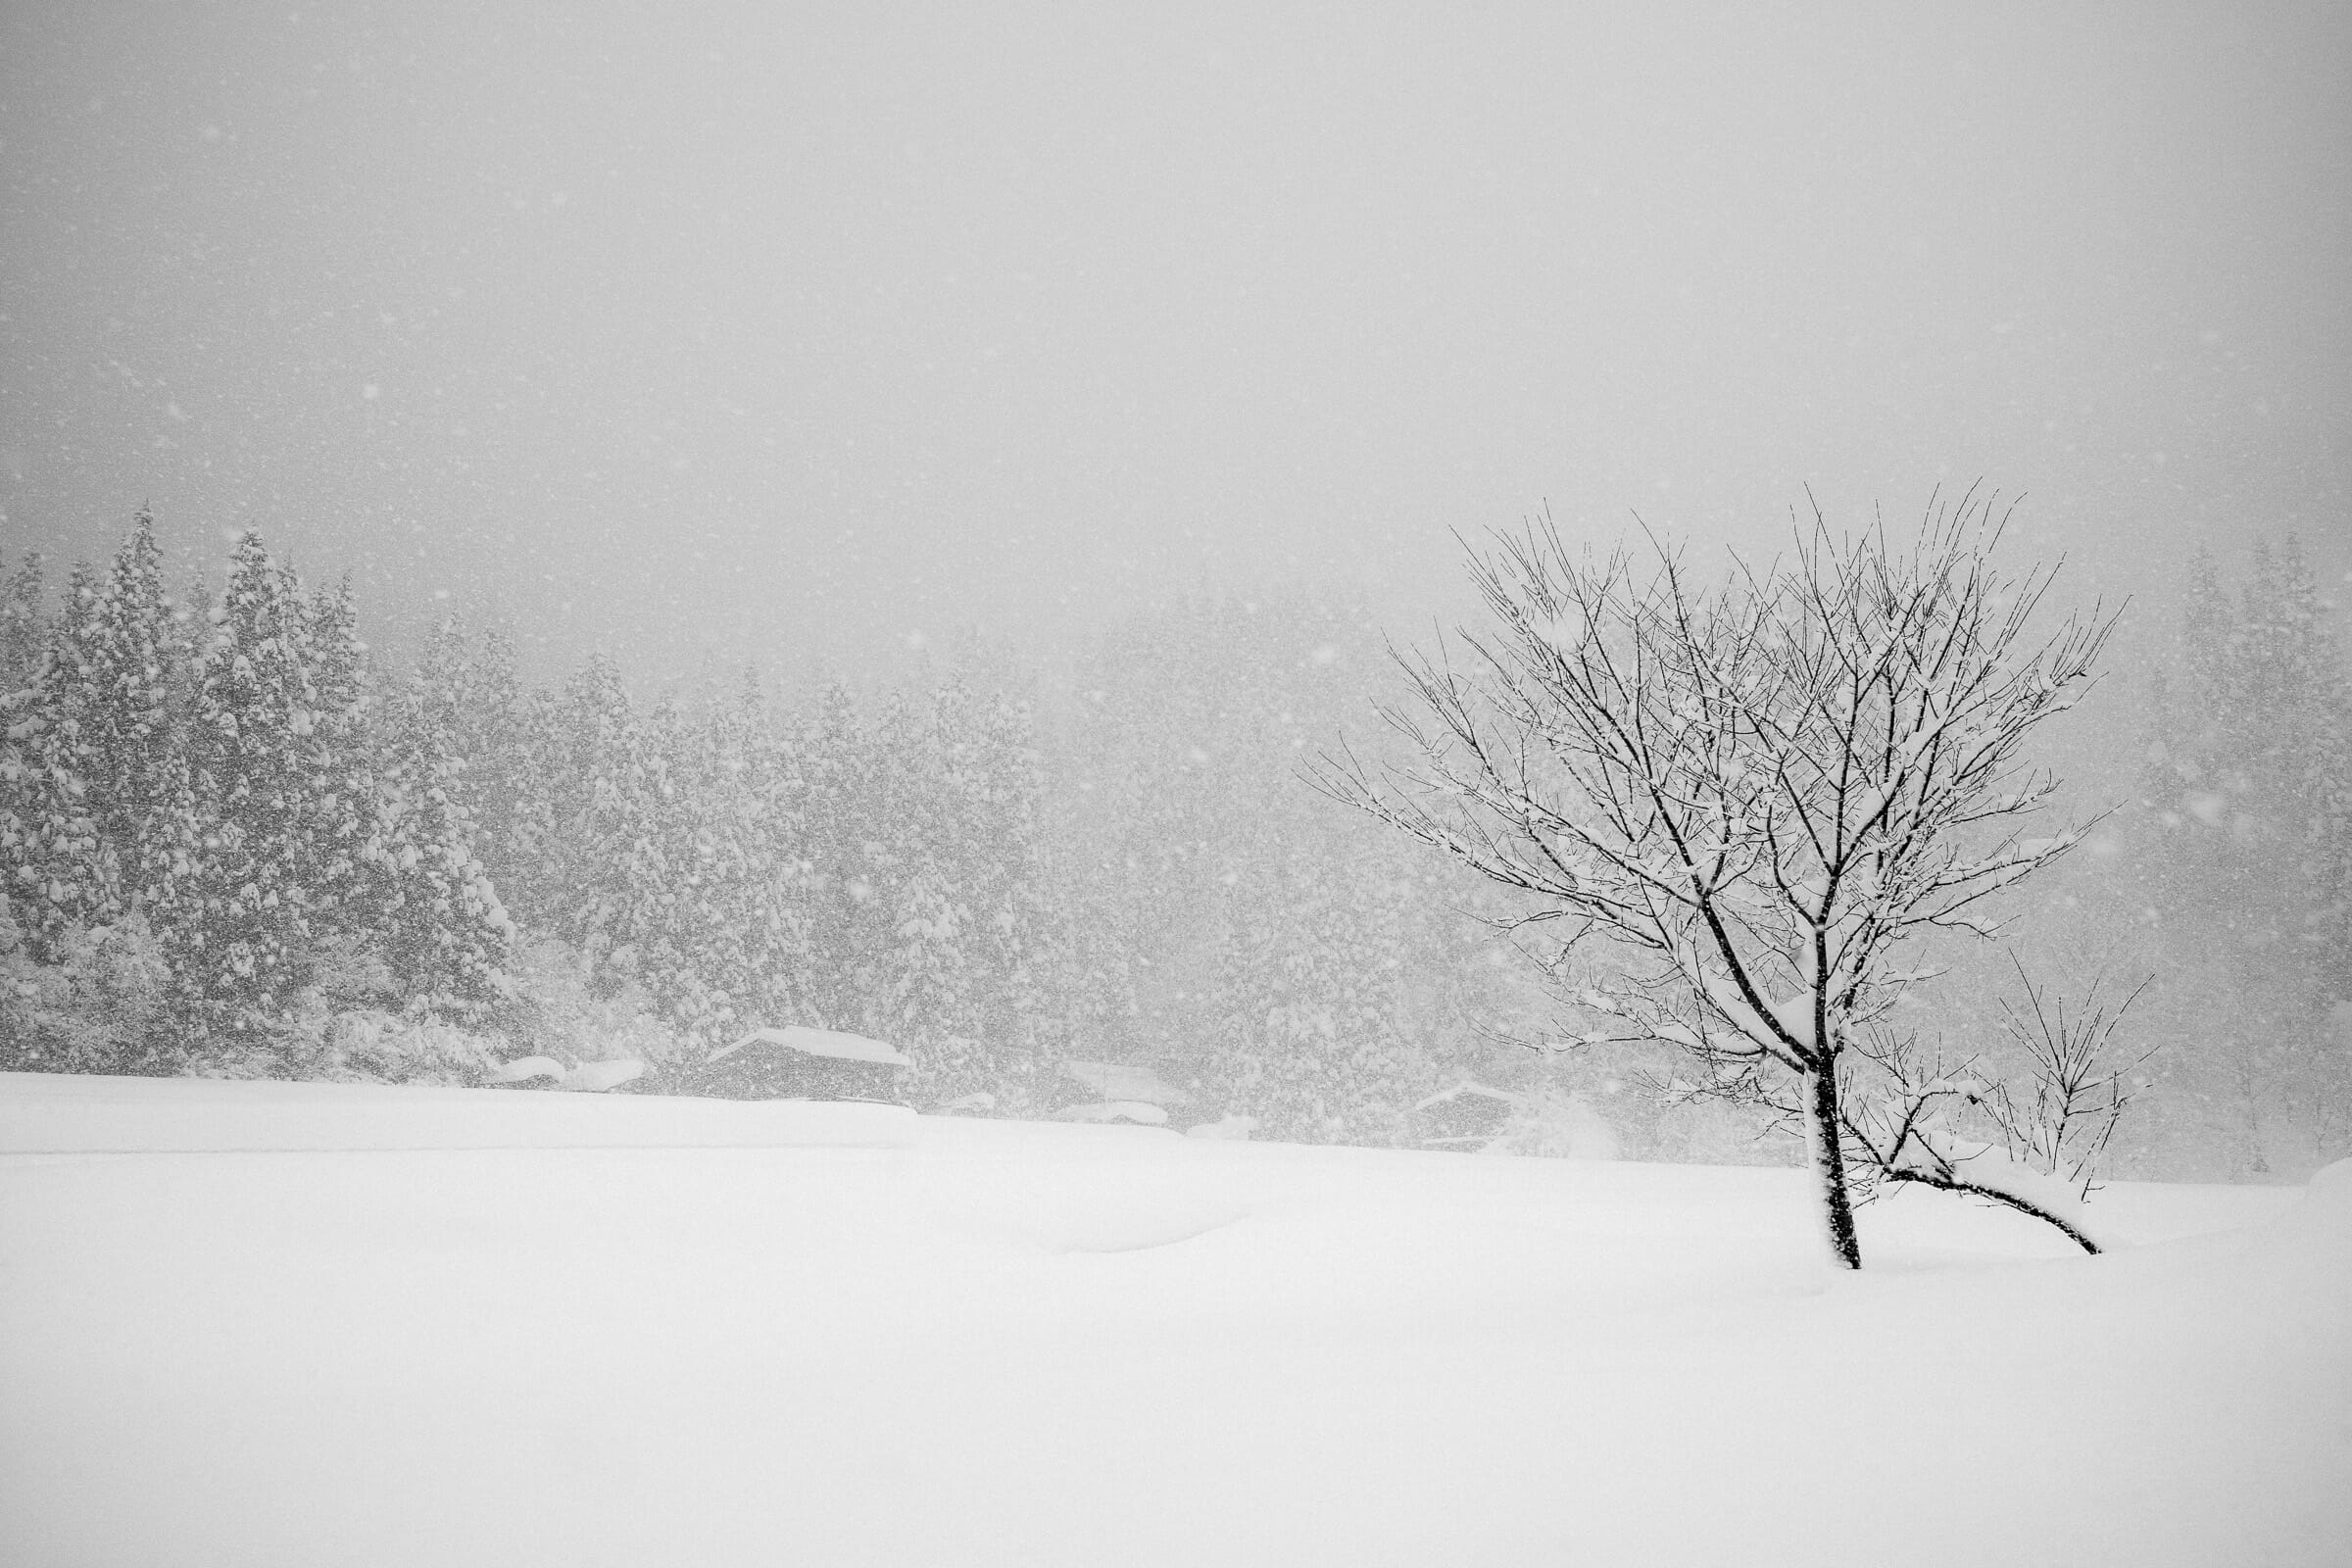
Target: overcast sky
x,y
779,329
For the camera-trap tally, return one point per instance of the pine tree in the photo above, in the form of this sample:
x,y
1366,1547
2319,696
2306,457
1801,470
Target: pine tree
x,y
1224,920
239,924
469,679
914,987
598,879
840,767
746,894
133,656
94,756
691,946
443,929
50,848
33,806
1320,1026
338,824
2295,669
23,626
1020,937
2245,846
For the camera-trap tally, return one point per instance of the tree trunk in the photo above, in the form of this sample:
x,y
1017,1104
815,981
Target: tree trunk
x,y
1826,1156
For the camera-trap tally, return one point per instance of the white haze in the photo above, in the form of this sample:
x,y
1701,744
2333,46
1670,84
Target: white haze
x,y
732,329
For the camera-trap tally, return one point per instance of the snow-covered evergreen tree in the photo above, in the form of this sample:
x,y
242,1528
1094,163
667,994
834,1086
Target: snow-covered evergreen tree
x,y
598,877
1251,936
93,745
24,623
1020,935
29,798
133,654
694,950
2245,856
51,854
341,850
94,1002
916,985
469,678
442,926
239,919
1317,1029
747,879
840,764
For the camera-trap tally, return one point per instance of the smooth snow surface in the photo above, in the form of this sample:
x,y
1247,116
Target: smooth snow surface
x,y
991,1342
52,1114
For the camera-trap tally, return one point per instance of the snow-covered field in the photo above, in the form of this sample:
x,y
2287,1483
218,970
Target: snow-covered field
x,y
262,1324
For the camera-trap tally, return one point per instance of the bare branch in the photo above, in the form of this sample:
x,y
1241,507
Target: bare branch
x,y
1763,794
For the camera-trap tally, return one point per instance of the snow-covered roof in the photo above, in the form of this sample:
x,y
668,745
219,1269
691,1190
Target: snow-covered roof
x,y
1116,1080
829,1043
596,1076
1142,1113
590,1076
1464,1089
523,1070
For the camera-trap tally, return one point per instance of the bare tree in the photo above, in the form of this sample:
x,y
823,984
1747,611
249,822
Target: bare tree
x,y
2031,1140
1759,795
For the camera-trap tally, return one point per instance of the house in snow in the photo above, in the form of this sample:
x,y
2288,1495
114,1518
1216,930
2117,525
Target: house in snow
x,y
591,1077
1120,1092
799,1063
1467,1117
1552,1122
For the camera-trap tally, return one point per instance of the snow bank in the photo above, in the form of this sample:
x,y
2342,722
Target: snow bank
x,y
2327,1206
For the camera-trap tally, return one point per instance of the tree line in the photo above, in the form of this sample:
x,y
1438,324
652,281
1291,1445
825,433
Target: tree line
x,y
202,813
2235,848
234,839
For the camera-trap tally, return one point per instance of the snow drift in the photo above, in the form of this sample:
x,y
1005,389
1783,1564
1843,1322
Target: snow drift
x,y
983,1342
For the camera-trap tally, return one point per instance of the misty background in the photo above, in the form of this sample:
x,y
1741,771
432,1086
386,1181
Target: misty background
x,y
733,330
1057,411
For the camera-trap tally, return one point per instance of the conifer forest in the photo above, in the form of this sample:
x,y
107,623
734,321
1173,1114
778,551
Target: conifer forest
x,y
237,842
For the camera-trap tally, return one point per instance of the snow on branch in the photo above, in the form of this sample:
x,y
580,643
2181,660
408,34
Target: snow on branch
x,y
1763,791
